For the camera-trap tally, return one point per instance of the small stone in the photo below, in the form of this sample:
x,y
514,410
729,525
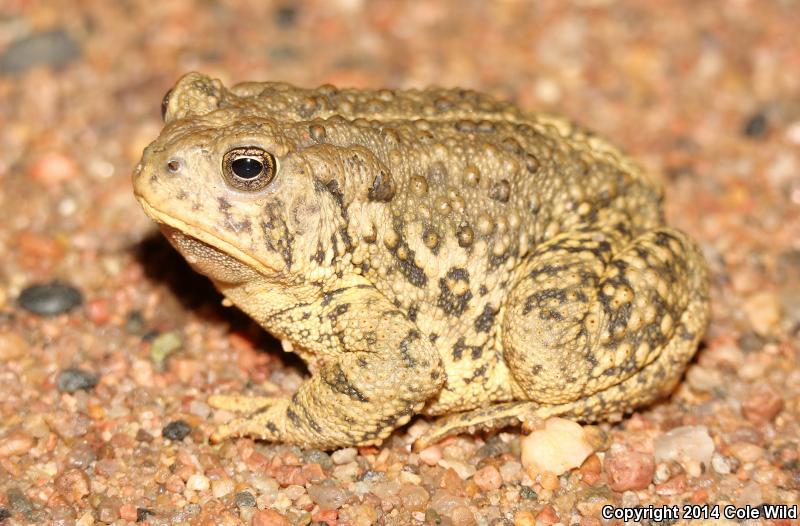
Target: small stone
x,y
221,487
269,518
674,486
127,512
108,510
327,495
68,425
199,409
19,502
462,516
546,516
527,493
793,132
762,404
143,513
663,472
302,475
703,379
15,443
463,469
524,518
722,464
50,299
409,477
285,16
511,471
488,478
591,501
344,456
746,452
559,447
76,379
164,345
176,430
98,311
431,455
432,516
73,485
362,515
245,499
685,444
549,480
444,502
315,456
591,468
197,482
413,497
628,470
755,126
12,346
750,342
54,48
325,517
763,309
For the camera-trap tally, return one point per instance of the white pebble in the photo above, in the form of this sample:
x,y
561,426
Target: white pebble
x,y
463,470
344,456
684,445
197,482
561,446
220,488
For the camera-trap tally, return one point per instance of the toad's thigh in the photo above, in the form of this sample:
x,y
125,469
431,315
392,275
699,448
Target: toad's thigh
x,y
588,313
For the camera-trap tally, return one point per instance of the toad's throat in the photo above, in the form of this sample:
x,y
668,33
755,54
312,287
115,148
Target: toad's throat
x,y
208,254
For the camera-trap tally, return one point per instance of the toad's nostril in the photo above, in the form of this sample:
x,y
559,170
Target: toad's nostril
x,y
173,166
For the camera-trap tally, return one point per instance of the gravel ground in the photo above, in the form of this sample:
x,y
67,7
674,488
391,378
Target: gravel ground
x,y
109,345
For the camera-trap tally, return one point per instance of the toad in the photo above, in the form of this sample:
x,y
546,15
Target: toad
x,y
433,252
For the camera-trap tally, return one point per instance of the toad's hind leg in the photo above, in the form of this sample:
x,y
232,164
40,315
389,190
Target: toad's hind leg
x,y
590,311
651,381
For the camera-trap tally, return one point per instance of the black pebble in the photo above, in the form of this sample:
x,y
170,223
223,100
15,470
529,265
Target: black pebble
x,y
54,49
245,499
74,379
285,16
176,430
50,299
527,493
315,456
142,514
756,125
4,514
134,323
19,502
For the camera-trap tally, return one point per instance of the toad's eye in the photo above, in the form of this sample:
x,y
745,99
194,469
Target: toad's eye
x,y
248,168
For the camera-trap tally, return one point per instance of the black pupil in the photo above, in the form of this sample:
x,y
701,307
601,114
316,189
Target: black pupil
x,y
246,167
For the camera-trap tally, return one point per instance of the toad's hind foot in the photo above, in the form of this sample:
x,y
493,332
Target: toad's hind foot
x,y
485,419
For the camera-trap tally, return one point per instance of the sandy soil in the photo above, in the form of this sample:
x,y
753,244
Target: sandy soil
x,y
105,373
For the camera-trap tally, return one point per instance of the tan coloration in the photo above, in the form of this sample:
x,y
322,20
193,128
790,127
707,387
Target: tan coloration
x,y
434,252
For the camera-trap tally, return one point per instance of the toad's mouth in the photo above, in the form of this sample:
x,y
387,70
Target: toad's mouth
x,y
205,252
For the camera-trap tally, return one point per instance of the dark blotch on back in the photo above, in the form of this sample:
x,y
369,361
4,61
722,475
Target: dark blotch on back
x,y
450,303
484,322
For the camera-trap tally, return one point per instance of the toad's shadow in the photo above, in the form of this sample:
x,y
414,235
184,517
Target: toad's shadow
x,y
164,265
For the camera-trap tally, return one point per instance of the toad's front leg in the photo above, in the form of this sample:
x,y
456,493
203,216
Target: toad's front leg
x,y
382,372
